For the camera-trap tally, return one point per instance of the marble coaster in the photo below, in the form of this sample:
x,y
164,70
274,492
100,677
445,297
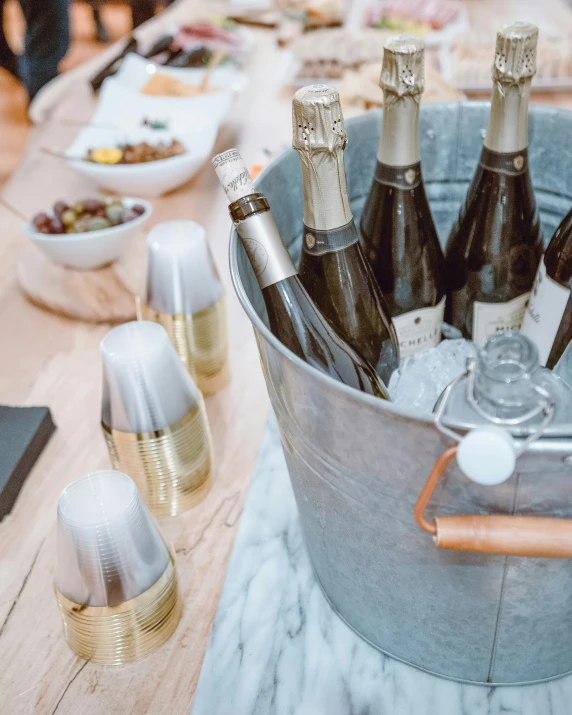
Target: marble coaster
x,y
277,648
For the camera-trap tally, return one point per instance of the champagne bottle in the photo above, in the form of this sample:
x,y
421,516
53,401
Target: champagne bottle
x,y
495,246
398,234
293,316
333,268
548,317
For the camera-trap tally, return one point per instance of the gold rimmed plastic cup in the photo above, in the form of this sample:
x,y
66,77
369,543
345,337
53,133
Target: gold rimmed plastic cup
x,y
116,583
154,419
185,295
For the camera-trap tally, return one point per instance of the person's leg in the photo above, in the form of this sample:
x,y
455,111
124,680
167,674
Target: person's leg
x,y
46,43
8,59
141,11
101,33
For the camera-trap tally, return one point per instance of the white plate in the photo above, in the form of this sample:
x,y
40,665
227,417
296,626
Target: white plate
x,y
123,108
135,71
93,249
149,179
121,102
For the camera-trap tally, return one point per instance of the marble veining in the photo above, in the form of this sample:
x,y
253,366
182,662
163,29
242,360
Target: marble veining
x,y
277,648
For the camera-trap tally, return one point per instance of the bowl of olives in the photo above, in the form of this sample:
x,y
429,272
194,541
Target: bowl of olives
x,y
88,234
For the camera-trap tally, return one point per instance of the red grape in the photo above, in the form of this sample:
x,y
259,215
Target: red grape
x,y
92,206
41,219
57,226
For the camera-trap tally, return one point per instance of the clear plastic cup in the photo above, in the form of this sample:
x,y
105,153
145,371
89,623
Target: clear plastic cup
x,y
182,278
109,549
145,385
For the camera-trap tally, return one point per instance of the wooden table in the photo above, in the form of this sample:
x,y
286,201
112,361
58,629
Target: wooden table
x,y
49,360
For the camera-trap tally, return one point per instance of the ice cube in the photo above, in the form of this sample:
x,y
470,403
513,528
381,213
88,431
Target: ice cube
x,y
422,378
449,332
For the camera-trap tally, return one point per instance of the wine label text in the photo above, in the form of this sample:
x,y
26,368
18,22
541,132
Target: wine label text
x,y
419,329
490,318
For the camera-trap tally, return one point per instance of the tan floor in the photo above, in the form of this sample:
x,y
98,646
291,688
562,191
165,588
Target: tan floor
x,y
13,100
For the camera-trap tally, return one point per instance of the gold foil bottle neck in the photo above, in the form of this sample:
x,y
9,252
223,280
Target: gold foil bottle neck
x,y
317,119
403,66
515,54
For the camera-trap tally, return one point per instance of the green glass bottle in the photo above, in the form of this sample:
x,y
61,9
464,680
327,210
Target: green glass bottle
x,y
293,316
333,268
495,245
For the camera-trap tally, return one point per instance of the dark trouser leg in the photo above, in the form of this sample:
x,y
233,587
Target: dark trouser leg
x,y
8,59
47,41
141,11
101,34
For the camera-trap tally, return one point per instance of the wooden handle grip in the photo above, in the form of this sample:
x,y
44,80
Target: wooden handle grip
x,y
508,535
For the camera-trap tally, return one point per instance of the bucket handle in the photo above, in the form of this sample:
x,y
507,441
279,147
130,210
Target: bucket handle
x,y
492,534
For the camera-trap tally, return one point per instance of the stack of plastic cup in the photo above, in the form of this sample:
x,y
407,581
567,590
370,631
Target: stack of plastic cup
x,y
116,583
153,418
184,294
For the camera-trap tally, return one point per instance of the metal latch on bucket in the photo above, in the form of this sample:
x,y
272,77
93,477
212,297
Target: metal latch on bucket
x,y
487,455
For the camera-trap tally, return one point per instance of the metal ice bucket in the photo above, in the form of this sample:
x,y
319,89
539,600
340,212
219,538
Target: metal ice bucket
x,y
358,464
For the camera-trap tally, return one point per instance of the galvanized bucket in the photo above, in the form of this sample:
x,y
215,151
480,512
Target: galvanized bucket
x,y
358,464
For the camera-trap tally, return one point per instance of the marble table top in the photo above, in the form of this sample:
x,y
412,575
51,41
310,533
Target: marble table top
x,y
277,648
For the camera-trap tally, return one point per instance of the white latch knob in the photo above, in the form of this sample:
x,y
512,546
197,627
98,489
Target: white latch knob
x,y
487,455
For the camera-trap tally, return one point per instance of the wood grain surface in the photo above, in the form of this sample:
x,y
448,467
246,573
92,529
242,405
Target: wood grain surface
x,y
93,296
535,536
47,359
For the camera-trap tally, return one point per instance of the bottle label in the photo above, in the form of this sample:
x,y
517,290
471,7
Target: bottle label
x,y
511,164
400,177
419,329
544,312
317,243
490,318
262,242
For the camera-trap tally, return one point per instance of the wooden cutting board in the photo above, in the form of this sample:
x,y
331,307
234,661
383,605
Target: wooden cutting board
x,y
99,296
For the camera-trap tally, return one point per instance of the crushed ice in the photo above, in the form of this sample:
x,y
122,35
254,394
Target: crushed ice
x,y
422,378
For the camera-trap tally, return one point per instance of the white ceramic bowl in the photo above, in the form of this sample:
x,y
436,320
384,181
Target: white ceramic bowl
x,y
149,179
93,249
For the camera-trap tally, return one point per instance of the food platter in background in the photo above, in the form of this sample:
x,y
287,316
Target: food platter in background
x,y
147,105
123,103
466,62
136,72
351,60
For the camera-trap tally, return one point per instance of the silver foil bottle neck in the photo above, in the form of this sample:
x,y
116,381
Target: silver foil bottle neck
x,y
515,53
513,69
317,119
403,66
403,81
319,137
